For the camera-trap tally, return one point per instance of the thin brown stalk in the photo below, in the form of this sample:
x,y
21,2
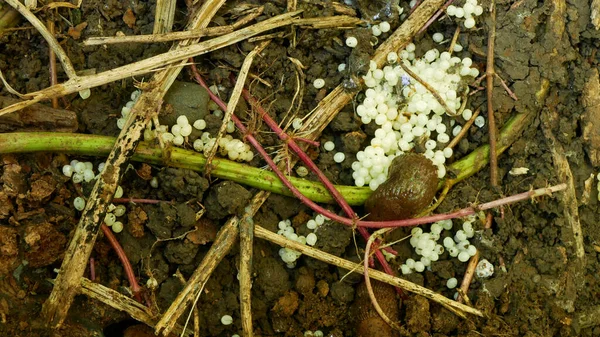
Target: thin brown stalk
x,y
469,273
510,92
435,16
120,302
246,243
454,39
464,130
52,67
431,89
325,22
490,93
174,36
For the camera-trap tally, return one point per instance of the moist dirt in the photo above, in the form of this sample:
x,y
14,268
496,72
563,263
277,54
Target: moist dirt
x,y
540,287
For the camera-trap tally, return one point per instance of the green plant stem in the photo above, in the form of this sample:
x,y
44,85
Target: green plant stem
x,y
92,145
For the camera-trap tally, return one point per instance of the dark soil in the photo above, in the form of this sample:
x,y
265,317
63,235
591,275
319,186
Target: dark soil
x,y
538,289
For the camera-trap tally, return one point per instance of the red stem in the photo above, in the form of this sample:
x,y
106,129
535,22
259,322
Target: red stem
x,y
135,287
92,269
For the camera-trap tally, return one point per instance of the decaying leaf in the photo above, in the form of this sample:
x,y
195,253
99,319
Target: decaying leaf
x,y
75,32
129,18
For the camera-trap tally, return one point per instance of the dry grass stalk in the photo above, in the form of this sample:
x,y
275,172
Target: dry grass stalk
x,y
41,28
153,63
234,99
116,300
342,8
195,310
246,228
223,243
429,88
174,36
265,234
337,21
56,307
164,16
464,130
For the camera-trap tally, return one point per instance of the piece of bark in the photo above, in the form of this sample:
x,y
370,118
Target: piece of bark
x,y
590,121
37,117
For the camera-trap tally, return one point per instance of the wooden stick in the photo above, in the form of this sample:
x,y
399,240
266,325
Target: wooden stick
x,y
56,307
37,117
41,28
153,63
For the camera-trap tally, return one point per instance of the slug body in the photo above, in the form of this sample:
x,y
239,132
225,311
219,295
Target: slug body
x,y
368,321
410,187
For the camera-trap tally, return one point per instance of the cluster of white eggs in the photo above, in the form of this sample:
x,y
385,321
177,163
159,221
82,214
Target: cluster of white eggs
x,y
407,113
426,245
289,256
81,171
84,170
234,149
228,146
468,11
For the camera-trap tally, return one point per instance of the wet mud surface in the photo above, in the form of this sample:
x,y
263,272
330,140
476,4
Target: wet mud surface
x,y
540,288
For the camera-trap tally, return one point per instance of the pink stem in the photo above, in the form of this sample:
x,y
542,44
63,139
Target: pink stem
x,y
308,141
92,269
135,287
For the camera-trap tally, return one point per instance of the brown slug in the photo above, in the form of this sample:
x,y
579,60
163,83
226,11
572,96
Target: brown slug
x,y
410,187
368,322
